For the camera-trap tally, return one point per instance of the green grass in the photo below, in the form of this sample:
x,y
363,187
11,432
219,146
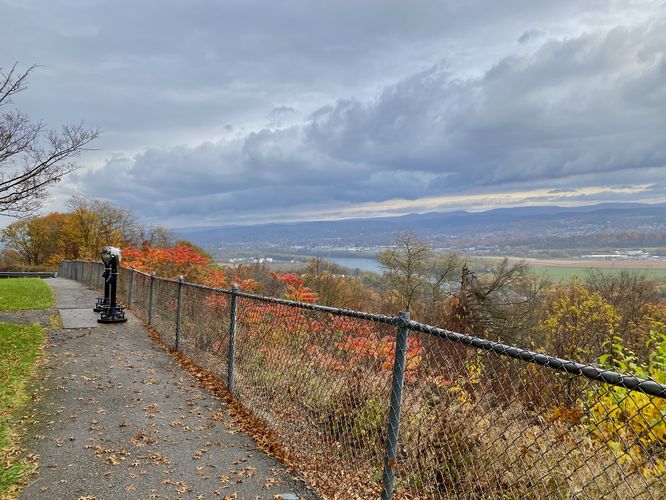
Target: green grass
x,y
20,347
18,294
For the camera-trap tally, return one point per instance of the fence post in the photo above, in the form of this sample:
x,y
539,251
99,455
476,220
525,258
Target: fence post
x,y
232,338
131,288
178,308
150,300
393,427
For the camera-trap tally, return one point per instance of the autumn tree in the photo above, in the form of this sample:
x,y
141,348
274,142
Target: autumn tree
x,y
36,239
294,288
629,292
94,224
10,260
334,288
80,234
32,157
578,322
258,274
195,248
183,259
22,238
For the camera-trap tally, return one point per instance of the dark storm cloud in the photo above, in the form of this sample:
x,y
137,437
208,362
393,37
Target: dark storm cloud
x,y
590,106
221,110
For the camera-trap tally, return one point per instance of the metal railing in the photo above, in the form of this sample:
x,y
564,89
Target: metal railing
x,y
374,405
27,274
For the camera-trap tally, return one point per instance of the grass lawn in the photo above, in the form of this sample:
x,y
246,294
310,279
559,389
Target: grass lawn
x,y
20,348
18,294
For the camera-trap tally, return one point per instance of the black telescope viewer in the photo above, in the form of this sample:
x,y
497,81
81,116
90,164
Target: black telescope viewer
x,y
111,313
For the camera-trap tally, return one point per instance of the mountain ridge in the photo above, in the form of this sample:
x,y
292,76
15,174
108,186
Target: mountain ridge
x,y
607,217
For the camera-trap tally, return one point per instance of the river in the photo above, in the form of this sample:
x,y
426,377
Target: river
x,y
362,263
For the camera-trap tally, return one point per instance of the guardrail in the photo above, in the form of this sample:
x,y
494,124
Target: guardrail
x,y
27,274
375,404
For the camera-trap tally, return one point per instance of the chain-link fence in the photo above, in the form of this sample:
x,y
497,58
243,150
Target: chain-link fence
x,y
378,405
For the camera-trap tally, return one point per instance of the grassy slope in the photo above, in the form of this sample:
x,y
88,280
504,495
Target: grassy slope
x,y
20,348
24,293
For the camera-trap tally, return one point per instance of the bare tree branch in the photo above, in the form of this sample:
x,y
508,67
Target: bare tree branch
x,y
32,158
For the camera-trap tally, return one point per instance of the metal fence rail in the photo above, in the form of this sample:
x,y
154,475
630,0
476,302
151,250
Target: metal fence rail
x,y
27,274
385,405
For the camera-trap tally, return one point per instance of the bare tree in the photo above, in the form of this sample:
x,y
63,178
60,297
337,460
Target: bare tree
x,y
415,278
628,292
32,157
505,304
405,269
158,237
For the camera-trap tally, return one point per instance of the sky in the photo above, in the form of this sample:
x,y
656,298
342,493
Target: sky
x,y
219,112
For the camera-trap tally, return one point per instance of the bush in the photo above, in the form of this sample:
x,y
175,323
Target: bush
x,y
632,423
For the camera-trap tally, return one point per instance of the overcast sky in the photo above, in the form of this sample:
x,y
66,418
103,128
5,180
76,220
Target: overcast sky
x,y
220,112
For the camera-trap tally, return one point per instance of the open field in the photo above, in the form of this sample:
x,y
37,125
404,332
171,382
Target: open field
x,y
640,264
558,269
558,273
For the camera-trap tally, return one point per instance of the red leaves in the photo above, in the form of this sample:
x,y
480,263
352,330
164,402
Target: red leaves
x,y
169,262
295,289
362,349
289,279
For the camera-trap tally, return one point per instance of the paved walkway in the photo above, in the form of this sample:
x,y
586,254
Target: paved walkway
x,y
120,419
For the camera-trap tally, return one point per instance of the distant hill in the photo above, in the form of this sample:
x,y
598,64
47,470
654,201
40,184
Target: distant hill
x,y
498,225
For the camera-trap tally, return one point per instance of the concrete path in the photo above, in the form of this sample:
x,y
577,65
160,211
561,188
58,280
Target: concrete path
x,y
72,301
118,418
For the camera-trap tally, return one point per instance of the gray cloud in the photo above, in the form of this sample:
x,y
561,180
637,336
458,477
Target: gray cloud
x,y
529,36
223,111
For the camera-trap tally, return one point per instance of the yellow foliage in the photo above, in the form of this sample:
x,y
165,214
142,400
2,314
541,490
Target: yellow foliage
x,y
632,423
578,322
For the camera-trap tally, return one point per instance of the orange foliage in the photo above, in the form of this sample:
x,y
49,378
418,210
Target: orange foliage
x,y
382,350
167,262
295,289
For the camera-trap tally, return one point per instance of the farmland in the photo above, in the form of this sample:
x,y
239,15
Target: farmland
x,y
559,269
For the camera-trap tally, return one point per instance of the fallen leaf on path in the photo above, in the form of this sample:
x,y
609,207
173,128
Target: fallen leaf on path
x,y
271,481
142,439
